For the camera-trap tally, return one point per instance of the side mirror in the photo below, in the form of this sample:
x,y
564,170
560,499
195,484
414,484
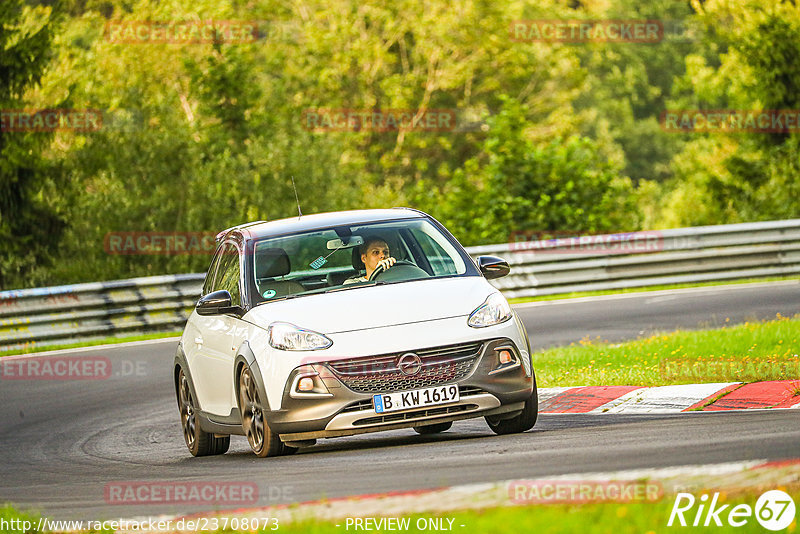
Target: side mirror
x,y
216,303
493,267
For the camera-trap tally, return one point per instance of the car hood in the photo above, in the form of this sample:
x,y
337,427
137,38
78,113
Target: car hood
x,y
377,306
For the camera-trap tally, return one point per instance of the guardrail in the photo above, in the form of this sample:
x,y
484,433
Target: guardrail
x,y
83,312
682,255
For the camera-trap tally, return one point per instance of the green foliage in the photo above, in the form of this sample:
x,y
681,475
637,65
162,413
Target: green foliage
x,y
192,142
737,176
29,224
564,185
549,136
628,84
17,521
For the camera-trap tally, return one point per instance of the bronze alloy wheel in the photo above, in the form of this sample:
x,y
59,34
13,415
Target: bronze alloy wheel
x,y
188,422
262,440
200,443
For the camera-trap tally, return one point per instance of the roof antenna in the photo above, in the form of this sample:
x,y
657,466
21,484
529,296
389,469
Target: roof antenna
x,y
299,213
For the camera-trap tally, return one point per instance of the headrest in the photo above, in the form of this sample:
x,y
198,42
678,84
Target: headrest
x,y
358,265
272,262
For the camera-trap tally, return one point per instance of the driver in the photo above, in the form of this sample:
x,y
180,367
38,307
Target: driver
x,y
374,253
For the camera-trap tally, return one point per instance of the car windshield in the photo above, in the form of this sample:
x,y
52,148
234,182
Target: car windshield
x,y
332,259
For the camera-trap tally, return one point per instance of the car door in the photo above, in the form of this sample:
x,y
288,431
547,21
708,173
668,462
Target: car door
x,y
195,335
212,370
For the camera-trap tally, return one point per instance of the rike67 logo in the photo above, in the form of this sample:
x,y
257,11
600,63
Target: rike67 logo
x,y
774,510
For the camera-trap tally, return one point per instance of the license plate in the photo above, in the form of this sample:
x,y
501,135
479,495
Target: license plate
x,y
405,400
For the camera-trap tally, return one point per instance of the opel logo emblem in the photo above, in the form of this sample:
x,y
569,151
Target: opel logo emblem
x,y
409,364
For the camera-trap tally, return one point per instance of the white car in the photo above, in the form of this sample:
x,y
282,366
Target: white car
x,y
307,329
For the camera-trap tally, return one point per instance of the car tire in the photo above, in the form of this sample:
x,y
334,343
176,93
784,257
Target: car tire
x,y
522,422
199,443
433,429
263,441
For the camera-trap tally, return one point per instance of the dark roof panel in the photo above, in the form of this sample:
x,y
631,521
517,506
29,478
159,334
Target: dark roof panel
x,y
326,220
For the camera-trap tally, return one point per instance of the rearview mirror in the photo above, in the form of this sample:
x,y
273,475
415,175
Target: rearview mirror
x,y
493,267
353,241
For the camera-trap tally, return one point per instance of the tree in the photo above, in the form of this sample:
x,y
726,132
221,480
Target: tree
x,y
29,225
749,65
519,187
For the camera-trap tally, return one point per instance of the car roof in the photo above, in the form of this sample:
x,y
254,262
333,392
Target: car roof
x,y
322,220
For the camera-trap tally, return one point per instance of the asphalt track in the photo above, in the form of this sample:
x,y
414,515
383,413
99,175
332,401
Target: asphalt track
x,y
63,441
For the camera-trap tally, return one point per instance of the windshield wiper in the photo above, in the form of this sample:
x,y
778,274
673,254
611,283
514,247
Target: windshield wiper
x,y
285,297
354,286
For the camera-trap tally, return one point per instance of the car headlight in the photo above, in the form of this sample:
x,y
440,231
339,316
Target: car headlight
x,y
494,310
286,336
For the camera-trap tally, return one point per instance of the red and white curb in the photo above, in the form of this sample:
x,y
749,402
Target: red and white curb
x,y
670,399
730,476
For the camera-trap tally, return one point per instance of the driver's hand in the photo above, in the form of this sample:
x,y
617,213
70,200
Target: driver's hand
x,y
386,263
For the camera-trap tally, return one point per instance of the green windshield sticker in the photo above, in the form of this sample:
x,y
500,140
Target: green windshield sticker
x,y
269,293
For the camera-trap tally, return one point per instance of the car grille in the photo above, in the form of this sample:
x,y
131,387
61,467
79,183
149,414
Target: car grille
x,y
379,374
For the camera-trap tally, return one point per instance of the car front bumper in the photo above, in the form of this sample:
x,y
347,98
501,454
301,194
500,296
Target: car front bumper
x,y
486,388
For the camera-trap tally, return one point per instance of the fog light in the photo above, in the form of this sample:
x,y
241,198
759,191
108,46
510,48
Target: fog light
x,y
507,360
305,384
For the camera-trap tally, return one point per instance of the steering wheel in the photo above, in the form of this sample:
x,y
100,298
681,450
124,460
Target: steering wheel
x,y
401,270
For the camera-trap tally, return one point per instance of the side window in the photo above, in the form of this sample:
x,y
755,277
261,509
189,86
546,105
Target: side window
x,y
212,271
228,273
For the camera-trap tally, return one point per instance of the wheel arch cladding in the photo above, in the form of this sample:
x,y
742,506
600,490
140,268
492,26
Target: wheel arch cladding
x,y
245,357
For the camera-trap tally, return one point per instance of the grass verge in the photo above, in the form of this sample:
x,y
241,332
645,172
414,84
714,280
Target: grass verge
x,y
748,352
598,517
573,295
91,343
606,517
